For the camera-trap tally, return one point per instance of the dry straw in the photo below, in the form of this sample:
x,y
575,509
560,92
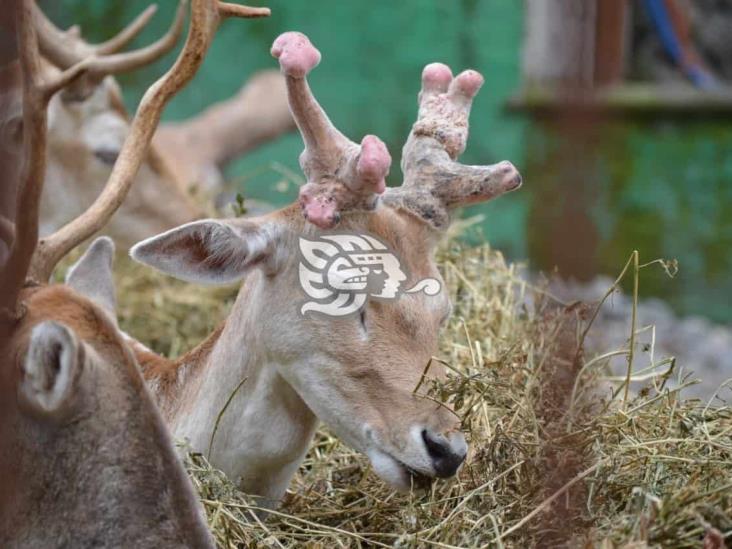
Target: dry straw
x,y
559,456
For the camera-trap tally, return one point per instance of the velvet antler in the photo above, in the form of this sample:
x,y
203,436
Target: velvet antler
x,y
342,176
434,183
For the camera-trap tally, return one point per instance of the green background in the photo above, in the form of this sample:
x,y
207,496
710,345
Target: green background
x,y
661,185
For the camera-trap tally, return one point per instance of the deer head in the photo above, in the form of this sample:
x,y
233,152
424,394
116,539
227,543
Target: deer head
x,y
88,123
83,449
343,299
84,436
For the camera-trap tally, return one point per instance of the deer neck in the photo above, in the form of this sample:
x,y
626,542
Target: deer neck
x,y
228,401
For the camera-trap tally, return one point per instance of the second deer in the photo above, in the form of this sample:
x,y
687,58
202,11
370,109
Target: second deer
x,y
354,359
88,122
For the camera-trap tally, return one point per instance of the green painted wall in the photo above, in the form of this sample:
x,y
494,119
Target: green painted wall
x,y
373,55
664,187
661,186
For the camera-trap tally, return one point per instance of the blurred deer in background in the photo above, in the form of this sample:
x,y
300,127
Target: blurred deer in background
x,y
85,458
276,370
87,124
199,148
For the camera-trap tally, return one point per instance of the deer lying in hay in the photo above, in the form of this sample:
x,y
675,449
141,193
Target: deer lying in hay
x,y
88,123
281,362
85,458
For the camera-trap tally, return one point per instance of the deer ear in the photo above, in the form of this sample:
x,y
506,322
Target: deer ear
x,y
209,251
50,369
92,277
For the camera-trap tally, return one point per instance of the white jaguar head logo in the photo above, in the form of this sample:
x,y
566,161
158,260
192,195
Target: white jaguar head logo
x,y
340,271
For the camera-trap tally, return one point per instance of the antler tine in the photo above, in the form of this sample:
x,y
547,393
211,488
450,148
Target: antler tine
x,y
126,35
103,65
205,18
434,182
227,9
59,47
342,176
66,50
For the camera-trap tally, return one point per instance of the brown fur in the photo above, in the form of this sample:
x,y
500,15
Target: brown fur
x,y
164,375
104,473
399,229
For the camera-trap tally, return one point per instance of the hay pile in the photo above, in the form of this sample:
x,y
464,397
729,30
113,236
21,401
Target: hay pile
x,y
559,457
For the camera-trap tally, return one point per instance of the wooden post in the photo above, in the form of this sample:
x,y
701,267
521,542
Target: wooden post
x,y
559,42
611,39
560,49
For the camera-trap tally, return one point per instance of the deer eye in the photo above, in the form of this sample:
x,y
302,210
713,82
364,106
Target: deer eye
x,y
106,156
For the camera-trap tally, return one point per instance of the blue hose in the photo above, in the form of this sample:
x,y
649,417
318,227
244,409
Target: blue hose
x,y
661,20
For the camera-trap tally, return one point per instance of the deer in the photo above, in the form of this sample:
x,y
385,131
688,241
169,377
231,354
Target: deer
x,y
180,175
87,123
86,459
250,396
199,148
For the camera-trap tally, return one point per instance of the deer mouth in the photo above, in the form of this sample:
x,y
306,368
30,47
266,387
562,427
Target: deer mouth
x,y
417,479
397,473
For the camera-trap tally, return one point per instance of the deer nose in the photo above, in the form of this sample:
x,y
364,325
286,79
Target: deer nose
x,y
446,452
